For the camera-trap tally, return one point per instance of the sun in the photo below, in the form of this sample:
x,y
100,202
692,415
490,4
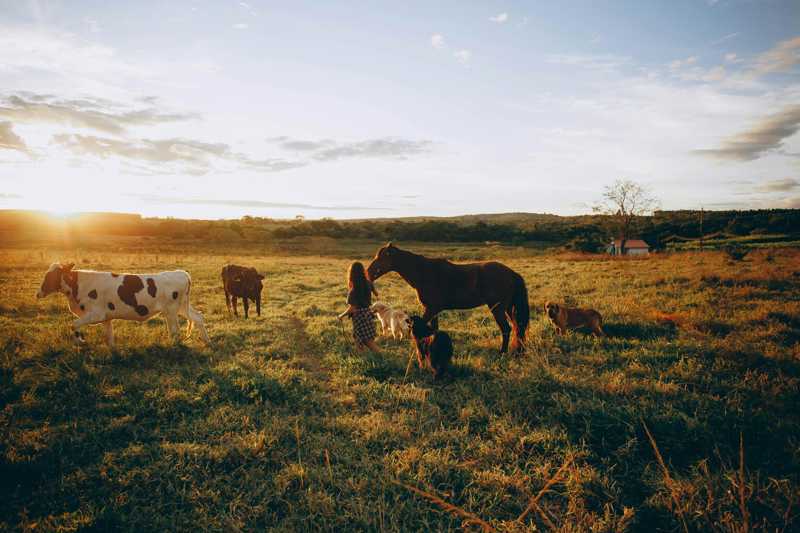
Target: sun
x,y
59,214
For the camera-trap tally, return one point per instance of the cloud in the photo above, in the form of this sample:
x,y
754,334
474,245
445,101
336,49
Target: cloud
x,y
94,113
169,155
602,62
10,140
38,50
781,185
764,136
680,63
688,70
384,148
9,196
240,26
437,40
780,58
189,156
156,199
725,38
500,18
463,56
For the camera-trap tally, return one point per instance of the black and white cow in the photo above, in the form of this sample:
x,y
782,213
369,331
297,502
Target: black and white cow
x,y
100,297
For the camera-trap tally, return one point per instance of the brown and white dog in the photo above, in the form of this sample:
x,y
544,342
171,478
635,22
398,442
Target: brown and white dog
x,y
564,318
100,297
392,320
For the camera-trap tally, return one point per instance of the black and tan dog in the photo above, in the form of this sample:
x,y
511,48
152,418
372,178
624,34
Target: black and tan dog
x,y
434,347
564,318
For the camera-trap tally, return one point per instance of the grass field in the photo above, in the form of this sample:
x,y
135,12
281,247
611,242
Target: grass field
x,y
280,424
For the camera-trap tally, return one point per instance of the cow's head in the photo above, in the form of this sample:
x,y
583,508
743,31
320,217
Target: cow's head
x,y
383,262
54,279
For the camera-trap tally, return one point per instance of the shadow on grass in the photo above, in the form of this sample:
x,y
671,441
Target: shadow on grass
x,y
649,331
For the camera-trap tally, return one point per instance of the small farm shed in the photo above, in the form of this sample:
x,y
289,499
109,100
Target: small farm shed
x,y
630,246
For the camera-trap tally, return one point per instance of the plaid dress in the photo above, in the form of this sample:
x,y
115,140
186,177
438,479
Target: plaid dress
x,y
363,318
363,325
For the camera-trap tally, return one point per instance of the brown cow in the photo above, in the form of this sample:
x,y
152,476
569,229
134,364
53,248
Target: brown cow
x,y
244,283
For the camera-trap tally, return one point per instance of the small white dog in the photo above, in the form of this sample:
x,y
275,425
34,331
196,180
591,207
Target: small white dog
x,y
392,320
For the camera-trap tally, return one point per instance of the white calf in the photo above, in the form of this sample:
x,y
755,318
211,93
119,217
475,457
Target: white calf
x,y
100,297
392,320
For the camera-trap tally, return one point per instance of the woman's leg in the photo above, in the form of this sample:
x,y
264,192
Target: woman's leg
x,y
372,346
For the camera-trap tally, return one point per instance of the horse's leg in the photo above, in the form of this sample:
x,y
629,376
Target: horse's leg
x,y
499,313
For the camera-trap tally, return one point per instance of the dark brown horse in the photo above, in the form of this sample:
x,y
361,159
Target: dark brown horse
x,y
443,285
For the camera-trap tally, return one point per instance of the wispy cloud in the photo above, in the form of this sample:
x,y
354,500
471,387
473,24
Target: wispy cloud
x,y
97,114
10,140
781,185
680,63
604,62
383,148
240,26
780,58
437,40
157,199
732,58
766,135
724,38
463,56
500,18
168,156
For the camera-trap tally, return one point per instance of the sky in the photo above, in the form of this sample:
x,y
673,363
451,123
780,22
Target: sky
x,y
219,109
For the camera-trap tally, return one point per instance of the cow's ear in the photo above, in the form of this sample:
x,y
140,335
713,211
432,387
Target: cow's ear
x,y
67,267
260,276
390,244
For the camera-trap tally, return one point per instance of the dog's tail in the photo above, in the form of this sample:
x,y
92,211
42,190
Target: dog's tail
x,y
520,313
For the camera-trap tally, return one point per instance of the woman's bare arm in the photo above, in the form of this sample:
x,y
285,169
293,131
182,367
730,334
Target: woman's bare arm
x,y
348,311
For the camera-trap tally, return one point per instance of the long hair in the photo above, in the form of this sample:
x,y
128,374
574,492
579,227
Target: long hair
x,y
358,283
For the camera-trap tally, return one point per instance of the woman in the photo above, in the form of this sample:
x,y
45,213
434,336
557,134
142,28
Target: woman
x,y
359,299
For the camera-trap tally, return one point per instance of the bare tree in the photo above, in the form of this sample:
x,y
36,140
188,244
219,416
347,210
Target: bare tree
x,y
625,200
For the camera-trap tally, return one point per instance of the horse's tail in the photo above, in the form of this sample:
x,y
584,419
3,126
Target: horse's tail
x,y
520,313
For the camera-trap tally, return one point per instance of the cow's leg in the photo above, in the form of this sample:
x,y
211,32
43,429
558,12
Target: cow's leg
x,y
246,304
195,317
228,300
109,333
171,316
258,304
235,305
499,313
92,317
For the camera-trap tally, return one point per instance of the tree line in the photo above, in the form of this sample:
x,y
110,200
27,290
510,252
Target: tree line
x,y
588,233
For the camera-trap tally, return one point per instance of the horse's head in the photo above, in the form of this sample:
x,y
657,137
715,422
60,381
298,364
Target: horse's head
x,y
383,262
